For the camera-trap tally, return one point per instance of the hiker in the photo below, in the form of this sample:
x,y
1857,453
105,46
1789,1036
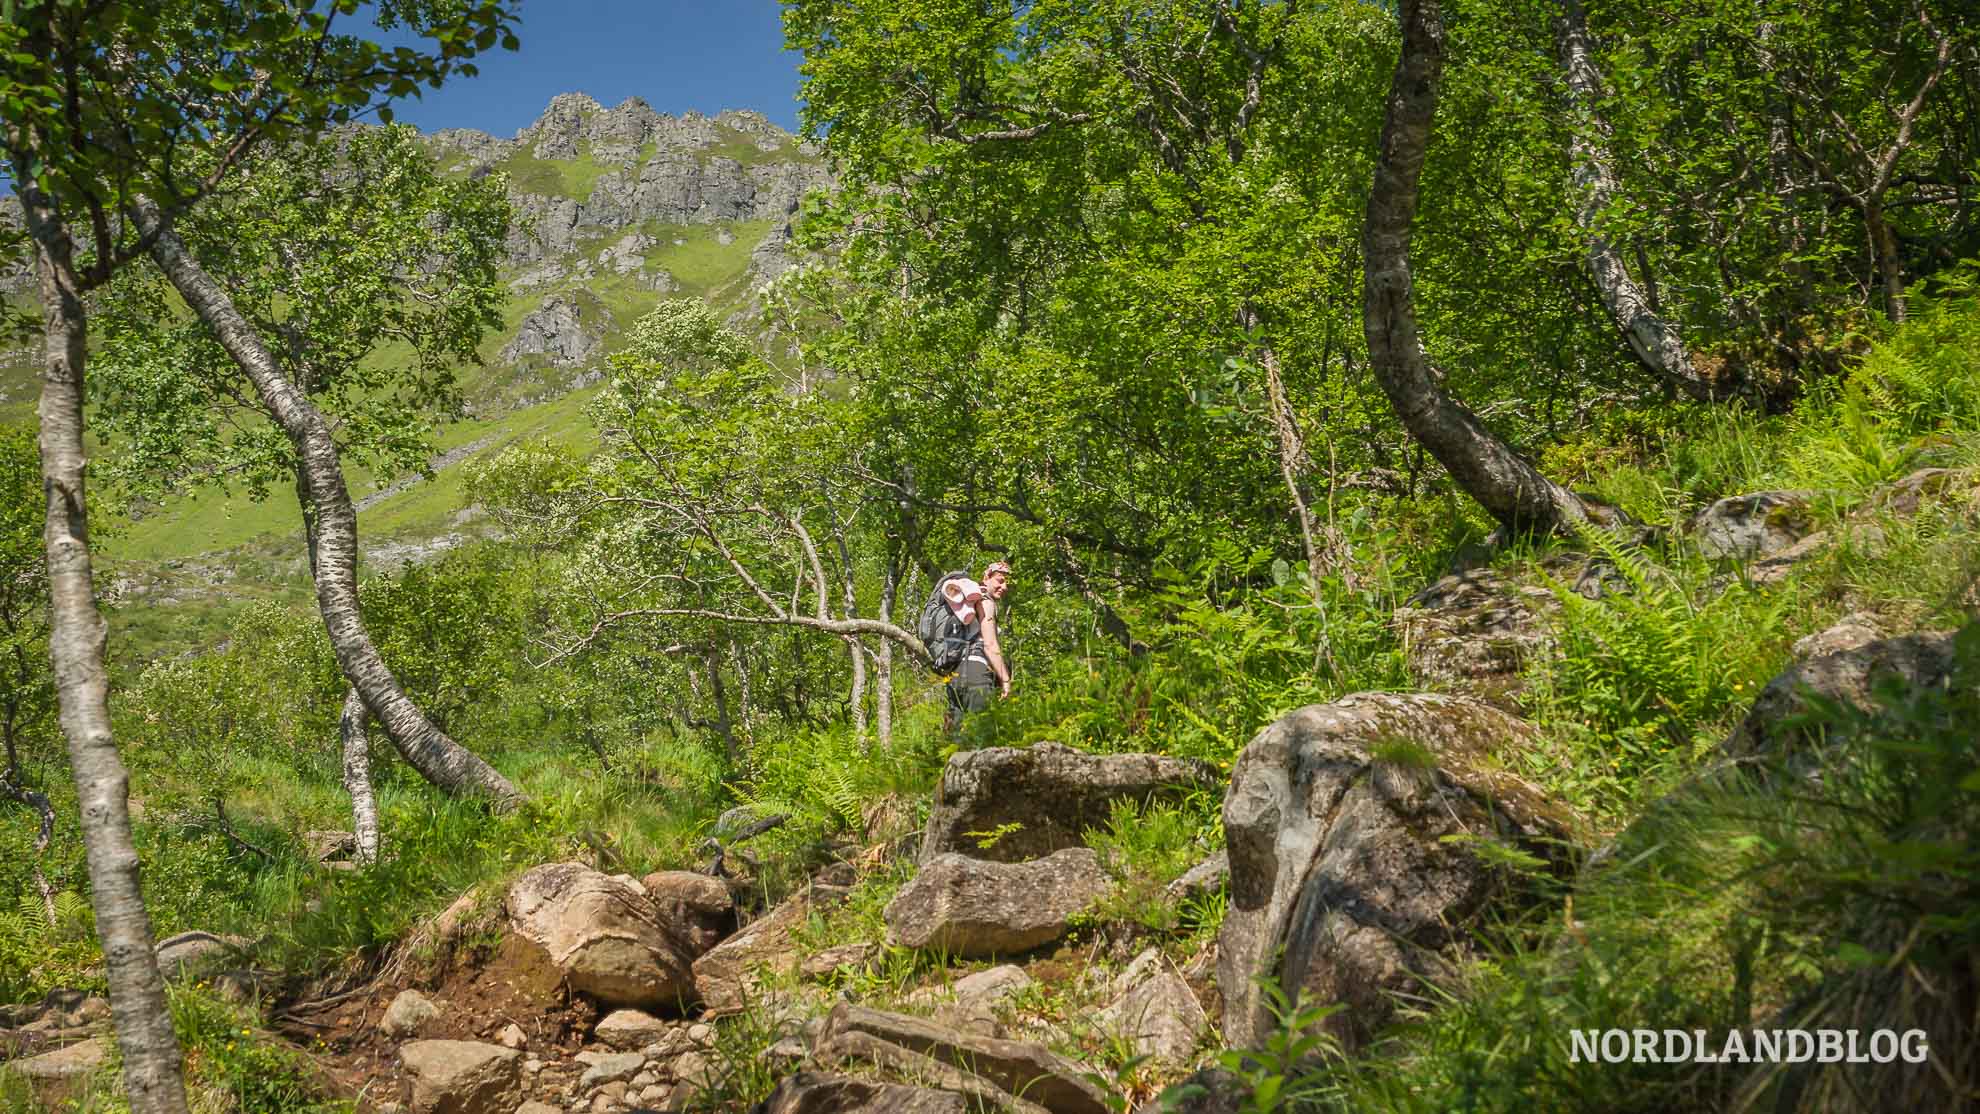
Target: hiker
x,y
959,628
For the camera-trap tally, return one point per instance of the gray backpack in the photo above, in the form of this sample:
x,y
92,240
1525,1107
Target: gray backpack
x,y
942,634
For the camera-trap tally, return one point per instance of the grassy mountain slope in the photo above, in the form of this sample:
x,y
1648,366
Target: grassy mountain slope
x,y
196,557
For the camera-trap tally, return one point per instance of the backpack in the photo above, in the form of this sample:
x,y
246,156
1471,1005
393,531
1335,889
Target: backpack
x,y
942,634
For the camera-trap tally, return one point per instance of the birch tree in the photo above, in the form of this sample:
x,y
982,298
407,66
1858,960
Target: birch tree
x,y
97,103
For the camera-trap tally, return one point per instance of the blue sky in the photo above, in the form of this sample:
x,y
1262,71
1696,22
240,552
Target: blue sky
x,y
676,54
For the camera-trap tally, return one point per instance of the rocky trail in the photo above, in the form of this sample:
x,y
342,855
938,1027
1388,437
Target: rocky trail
x,y
1350,873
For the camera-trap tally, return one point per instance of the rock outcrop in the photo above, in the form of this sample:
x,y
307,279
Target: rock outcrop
x,y
559,330
1347,826
1043,798
968,907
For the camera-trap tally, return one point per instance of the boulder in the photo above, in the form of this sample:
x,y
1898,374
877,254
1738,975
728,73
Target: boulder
x,y
1351,878
604,936
1755,526
1051,793
325,845
627,1030
68,1062
815,1093
460,1077
971,908
409,1010
1029,1071
1474,632
1842,664
1159,1016
696,905
971,1001
196,955
727,977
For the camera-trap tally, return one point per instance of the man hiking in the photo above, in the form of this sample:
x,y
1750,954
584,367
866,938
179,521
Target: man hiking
x,y
968,632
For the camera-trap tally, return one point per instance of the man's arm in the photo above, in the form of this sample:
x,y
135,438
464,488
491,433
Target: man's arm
x,y
990,648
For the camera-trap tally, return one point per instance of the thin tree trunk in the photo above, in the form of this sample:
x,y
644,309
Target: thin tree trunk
x,y
426,748
357,776
883,667
1488,470
730,751
1890,268
149,1047
1655,341
853,646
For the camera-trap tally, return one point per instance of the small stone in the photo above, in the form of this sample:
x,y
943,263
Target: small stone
x,y
409,1010
629,1029
532,1065
607,1067
655,1095
702,1035
615,1090
790,1049
512,1036
692,1068
530,1107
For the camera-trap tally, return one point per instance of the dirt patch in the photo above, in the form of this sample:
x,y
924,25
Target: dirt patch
x,y
479,991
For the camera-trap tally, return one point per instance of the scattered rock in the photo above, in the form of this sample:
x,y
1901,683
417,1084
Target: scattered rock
x,y
196,955
695,904
1160,1016
694,1069
608,1067
68,1062
845,957
1050,792
1031,1071
626,1030
1755,526
727,977
1201,880
603,934
970,908
324,846
1909,495
512,1036
971,1001
1844,664
535,1107
460,1077
1474,632
1337,820
409,1010
816,1093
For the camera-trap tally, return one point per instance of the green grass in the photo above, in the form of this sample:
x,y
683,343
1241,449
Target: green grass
x,y
572,178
